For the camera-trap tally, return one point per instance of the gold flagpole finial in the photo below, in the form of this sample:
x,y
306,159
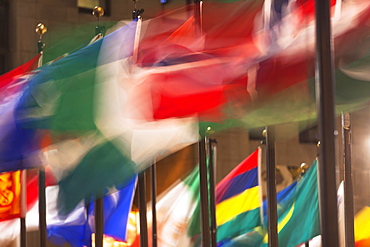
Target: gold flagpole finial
x,y
41,29
98,11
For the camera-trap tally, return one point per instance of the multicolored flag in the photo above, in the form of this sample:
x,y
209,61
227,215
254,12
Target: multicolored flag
x,y
78,226
301,216
10,195
238,199
174,211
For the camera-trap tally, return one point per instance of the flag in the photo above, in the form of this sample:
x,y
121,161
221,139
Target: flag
x,y
90,110
10,229
174,211
77,227
301,216
238,200
14,75
254,237
362,227
18,146
10,195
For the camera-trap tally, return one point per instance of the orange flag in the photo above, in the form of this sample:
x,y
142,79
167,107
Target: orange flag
x,y
10,195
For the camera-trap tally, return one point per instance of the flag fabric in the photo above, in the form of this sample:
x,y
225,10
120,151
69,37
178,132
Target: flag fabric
x,y
362,227
10,195
254,237
238,200
87,111
77,227
14,75
113,96
301,216
10,228
174,211
18,146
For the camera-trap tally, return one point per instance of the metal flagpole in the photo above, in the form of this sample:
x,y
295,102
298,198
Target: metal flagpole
x,y
42,207
271,187
204,193
325,102
99,202
99,222
348,189
154,202
41,29
142,210
211,170
202,153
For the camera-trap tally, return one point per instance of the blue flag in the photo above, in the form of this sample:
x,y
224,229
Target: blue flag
x,y
76,228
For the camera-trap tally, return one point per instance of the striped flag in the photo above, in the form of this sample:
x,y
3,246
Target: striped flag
x,y
238,199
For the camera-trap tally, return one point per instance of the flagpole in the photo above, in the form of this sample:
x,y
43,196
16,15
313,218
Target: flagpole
x,y
271,187
42,207
41,29
142,210
325,101
204,193
154,202
99,202
206,234
211,170
99,222
23,235
348,188
260,178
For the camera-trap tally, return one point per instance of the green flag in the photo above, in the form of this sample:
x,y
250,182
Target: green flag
x,y
300,221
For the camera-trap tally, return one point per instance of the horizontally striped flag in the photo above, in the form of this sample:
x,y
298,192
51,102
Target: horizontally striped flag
x,y
238,199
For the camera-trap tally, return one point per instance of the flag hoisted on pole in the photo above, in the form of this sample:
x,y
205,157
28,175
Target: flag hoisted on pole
x,y
99,205
41,29
203,171
325,101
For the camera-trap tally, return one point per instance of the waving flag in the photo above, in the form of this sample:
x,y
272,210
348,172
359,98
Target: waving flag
x,y
77,227
18,146
175,209
238,199
301,215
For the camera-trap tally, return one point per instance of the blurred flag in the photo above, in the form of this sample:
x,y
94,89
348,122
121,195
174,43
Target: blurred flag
x,y
174,211
95,111
12,77
78,226
362,227
18,147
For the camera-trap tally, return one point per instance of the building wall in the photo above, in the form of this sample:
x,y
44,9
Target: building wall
x,y
64,15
